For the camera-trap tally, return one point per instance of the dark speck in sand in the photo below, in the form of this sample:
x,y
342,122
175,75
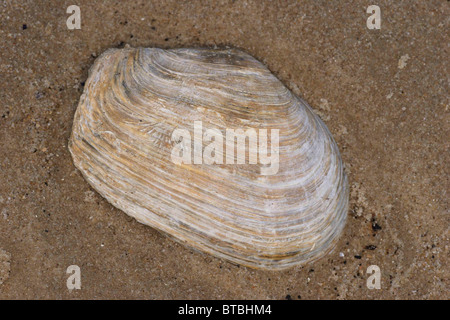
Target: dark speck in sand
x,y
375,226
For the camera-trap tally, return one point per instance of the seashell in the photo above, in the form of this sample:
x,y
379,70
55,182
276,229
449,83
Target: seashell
x,y
263,215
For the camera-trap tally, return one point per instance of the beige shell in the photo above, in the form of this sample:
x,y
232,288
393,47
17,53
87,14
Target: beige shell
x,y
122,143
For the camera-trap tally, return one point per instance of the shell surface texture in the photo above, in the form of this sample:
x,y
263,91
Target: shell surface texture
x,y
124,136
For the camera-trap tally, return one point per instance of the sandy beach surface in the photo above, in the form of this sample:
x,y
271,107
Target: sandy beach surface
x,y
384,95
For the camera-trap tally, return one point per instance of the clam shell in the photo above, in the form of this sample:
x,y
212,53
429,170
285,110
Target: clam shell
x,y
122,143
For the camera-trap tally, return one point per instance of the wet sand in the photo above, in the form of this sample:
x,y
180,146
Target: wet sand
x,y
382,93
